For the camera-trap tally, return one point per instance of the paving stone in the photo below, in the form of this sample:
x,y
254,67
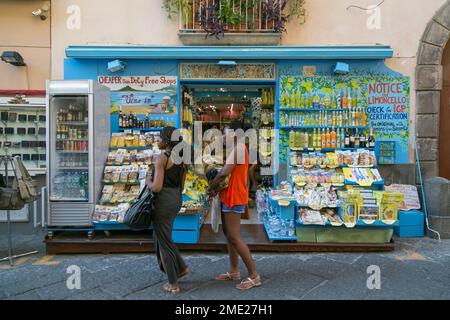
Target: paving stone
x,y
283,286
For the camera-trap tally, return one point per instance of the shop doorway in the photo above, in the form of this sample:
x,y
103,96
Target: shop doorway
x,y
444,128
216,105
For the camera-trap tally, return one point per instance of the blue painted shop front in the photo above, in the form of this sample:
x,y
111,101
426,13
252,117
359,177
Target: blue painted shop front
x,y
91,62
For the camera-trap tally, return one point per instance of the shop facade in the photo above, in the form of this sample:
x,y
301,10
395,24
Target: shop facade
x,y
357,70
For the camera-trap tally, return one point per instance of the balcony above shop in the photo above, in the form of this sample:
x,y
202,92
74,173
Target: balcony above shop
x,y
232,22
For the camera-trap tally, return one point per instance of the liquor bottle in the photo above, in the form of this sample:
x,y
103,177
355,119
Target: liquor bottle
x,y
328,139
345,100
362,140
292,139
352,141
364,117
120,119
323,140
371,139
317,144
339,100
353,120
333,138
357,145
162,122
349,100
334,119
333,101
146,121
347,139
305,140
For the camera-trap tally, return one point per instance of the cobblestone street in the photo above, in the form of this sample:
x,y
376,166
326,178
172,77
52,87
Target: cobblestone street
x,y
418,269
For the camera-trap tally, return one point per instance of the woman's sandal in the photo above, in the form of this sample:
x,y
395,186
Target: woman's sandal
x,y
249,283
229,277
168,287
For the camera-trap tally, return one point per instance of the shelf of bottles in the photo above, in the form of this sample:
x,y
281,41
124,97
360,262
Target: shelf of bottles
x,y
147,122
70,181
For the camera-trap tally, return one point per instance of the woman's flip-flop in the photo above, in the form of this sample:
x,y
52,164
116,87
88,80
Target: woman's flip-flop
x,y
171,289
249,283
229,277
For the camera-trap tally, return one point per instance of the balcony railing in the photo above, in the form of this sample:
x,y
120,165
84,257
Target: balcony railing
x,y
235,16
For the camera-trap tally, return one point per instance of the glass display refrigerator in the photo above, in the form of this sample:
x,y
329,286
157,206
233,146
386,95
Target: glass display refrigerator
x,y
78,129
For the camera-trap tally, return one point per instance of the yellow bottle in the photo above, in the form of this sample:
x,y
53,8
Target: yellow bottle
x,y
328,139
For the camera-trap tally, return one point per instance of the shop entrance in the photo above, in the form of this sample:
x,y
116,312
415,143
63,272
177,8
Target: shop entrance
x,y
215,106
444,128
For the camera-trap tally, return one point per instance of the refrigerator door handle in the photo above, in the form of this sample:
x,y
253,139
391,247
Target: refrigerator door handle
x,y
43,207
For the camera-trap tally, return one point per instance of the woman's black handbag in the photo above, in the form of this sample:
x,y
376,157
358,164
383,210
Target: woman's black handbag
x,y
139,216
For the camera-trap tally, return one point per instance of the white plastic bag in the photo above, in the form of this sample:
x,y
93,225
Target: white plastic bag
x,y
216,212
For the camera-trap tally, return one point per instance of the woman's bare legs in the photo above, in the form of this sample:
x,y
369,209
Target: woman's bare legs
x,y
234,256
232,228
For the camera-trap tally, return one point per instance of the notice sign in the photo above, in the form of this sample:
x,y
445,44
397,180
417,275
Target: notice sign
x,y
388,111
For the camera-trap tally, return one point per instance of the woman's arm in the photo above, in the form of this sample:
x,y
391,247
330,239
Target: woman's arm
x,y
225,172
157,183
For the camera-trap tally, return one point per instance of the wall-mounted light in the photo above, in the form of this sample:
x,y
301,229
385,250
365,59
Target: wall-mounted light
x,y
341,68
227,63
14,58
116,66
41,12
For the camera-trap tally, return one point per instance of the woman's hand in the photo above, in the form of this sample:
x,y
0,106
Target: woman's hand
x,y
212,193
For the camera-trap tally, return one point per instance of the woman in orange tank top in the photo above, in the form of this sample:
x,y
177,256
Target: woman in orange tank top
x,y
234,201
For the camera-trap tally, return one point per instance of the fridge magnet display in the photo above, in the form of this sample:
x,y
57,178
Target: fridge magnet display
x,y
12,117
4,116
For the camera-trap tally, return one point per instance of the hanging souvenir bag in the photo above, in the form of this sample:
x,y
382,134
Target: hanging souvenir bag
x,y
26,185
10,198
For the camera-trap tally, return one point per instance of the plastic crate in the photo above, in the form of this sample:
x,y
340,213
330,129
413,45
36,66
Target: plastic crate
x,y
412,224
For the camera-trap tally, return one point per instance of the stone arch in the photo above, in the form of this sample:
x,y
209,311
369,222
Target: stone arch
x,y
429,81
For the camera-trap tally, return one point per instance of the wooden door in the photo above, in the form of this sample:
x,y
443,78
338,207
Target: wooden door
x,y
444,127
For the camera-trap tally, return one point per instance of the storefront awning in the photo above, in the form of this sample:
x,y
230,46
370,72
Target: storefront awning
x,y
367,52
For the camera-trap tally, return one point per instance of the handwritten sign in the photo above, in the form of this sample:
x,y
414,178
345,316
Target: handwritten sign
x,y
411,200
139,83
142,94
388,112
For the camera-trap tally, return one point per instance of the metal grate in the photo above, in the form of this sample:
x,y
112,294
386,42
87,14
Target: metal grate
x,y
251,12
